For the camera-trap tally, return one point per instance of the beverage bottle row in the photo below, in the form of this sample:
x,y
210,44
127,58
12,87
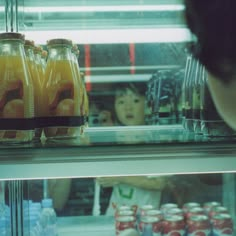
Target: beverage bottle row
x,y
181,96
164,97
39,96
5,220
39,218
200,115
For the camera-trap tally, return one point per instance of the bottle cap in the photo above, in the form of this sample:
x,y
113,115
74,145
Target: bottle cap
x,y
29,43
11,35
38,49
47,202
60,41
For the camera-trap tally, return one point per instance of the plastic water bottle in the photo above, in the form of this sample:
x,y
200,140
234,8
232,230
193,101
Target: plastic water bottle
x,y
35,209
4,220
33,226
8,220
26,217
35,214
3,231
48,219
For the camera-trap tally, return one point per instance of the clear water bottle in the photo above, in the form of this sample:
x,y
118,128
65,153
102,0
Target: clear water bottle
x,y
5,222
48,218
34,227
26,217
35,214
36,208
8,220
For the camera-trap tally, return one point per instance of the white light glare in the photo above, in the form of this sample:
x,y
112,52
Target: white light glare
x,y
109,36
121,8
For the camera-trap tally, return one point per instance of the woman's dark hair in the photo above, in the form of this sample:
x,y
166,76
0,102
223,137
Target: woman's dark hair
x,y
213,23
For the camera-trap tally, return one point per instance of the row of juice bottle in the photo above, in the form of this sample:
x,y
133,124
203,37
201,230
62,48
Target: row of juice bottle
x,y
40,97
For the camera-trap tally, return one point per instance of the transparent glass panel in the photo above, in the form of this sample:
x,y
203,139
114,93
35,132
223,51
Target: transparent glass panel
x,y
144,87
95,204
2,16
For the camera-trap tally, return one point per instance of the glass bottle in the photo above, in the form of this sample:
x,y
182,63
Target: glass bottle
x,y
34,73
85,99
38,62
75,55
178,77
16,91
48,218
60,88
188,95
196,103
44,55
165,97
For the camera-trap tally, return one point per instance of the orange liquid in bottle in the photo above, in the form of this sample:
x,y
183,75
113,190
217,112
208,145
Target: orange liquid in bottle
x,y
61,96
38,63
37,87
16,96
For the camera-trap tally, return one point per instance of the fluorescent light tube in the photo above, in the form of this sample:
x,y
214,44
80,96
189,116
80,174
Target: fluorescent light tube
x,y
110,36
121,8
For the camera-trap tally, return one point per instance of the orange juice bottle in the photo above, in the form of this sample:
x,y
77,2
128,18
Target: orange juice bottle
x,y
61,96
33,69
16,91
38,62
75,54
44,55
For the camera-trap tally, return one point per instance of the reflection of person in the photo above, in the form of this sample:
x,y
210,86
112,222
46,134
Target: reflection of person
x,y
199,188
99,116
129,109
59,190
129,104
133,190
212,24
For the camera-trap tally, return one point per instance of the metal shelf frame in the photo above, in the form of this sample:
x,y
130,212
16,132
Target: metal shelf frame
x,y
102,160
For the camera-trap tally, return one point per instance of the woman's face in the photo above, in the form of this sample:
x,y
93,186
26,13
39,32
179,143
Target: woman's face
x,y
129,108
224,97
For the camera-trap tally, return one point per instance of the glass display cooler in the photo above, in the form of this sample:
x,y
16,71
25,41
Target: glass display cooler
x,y
149,153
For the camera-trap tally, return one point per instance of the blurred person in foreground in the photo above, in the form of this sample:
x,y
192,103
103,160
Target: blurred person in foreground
x,y
213,24
129,110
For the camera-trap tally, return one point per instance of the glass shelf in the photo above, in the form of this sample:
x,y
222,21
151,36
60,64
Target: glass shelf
x,y
98,153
